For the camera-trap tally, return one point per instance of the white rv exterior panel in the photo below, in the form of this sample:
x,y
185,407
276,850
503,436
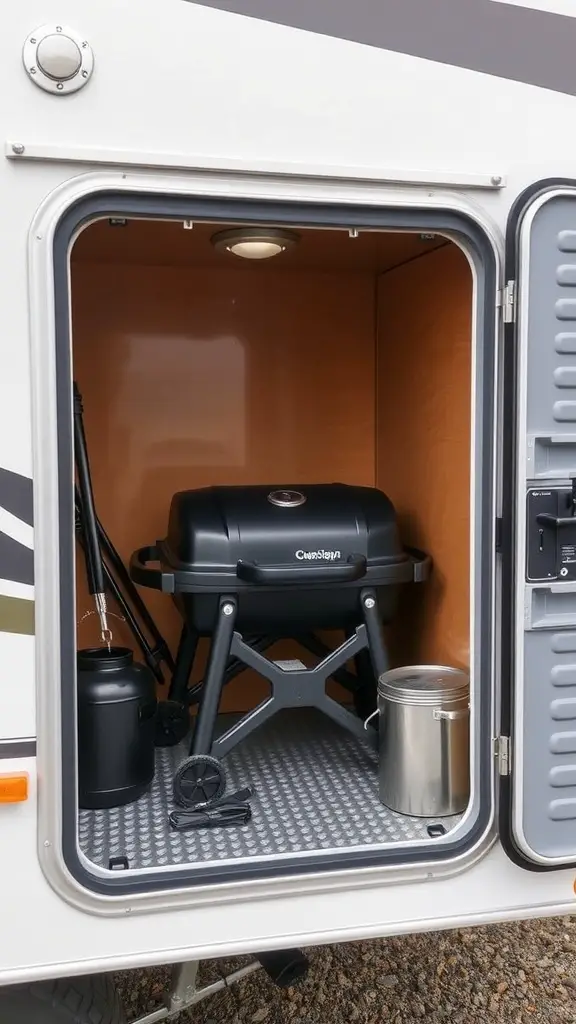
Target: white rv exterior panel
x,y
212,99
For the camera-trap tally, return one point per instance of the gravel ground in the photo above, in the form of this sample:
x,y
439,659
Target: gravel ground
x,y
523,973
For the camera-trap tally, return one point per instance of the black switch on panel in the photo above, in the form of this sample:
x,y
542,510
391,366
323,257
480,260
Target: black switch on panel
x,y
551,533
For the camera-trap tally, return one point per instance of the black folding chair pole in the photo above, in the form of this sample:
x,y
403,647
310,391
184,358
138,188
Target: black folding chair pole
x,y
127,583
95,570
94,566
95,537
151,657
81,537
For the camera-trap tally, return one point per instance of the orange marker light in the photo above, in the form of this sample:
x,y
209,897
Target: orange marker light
x,y
13,788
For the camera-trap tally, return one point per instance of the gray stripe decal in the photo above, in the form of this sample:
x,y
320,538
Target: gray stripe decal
x,y
17,748
16,495
516,43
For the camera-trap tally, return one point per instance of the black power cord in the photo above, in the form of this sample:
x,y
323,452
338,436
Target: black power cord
x,y
233,809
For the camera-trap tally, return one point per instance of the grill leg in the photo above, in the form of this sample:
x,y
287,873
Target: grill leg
x,y
235,668
376,647
364,669
294,689
214,678
365,695
310,642
184,662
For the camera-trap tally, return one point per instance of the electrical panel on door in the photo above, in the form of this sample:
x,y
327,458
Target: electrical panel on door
x,y
551,533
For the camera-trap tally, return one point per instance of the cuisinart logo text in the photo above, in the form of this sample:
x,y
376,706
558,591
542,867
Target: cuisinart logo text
x,y
318,556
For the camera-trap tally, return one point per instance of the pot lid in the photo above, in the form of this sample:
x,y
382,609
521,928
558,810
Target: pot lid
x,y
424,684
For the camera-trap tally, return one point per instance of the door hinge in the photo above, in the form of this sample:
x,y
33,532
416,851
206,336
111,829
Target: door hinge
x,y
508,302
502,751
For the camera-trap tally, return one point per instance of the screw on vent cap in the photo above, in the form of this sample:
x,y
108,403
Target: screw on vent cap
x,y
58,57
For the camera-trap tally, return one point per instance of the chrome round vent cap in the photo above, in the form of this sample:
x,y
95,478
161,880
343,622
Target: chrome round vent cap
x,y
286,499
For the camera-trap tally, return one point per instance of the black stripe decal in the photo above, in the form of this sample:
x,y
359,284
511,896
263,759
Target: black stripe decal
x,y
17,748
517,43
16,561
16,495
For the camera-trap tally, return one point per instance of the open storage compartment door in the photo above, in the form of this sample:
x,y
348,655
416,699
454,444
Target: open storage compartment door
x,y
538,751
180,370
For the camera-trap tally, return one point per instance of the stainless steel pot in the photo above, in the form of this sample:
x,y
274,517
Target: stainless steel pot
x,y
424,740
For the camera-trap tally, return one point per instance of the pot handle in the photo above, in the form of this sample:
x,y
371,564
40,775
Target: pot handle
x,y
370,717
450,716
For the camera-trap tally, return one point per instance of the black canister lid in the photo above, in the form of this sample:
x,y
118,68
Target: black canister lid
x,y
91,658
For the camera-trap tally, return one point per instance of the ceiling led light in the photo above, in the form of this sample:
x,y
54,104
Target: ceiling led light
x,y
254,243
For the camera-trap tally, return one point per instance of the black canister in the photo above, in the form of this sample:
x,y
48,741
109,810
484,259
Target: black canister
x,y
116,727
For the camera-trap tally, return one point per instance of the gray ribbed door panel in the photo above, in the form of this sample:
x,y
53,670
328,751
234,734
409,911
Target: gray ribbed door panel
x,y
549,788
544,728
551,398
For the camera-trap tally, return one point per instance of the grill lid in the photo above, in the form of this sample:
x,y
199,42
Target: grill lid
x,y
317,535
427,685
214,528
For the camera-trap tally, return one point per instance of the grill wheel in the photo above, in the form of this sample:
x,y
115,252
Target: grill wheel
x,y
199,782
172,723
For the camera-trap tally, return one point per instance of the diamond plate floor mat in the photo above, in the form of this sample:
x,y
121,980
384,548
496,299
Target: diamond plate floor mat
x,y
315,789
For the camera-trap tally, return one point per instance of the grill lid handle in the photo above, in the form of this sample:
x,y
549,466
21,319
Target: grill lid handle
x,y
267,575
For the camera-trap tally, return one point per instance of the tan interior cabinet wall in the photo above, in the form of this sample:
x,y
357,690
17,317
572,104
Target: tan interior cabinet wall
x,y
195,376
222,374
423,446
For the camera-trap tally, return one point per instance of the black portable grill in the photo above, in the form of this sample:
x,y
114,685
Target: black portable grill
x,y
278,562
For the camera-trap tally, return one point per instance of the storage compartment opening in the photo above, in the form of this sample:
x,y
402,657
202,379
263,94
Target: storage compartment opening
x,y
347,358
